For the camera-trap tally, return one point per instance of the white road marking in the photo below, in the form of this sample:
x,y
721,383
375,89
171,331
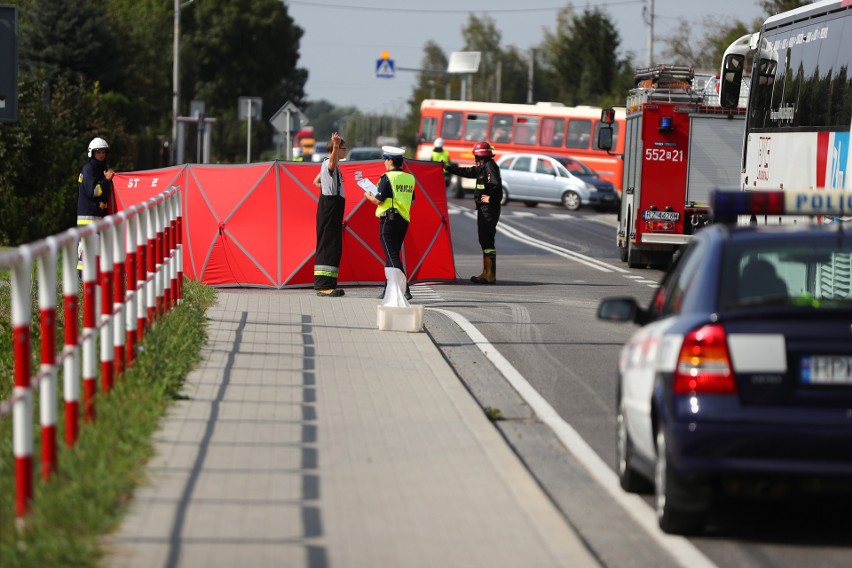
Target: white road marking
x,y
681,550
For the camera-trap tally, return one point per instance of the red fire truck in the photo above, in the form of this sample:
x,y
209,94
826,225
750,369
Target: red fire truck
x,y
677,150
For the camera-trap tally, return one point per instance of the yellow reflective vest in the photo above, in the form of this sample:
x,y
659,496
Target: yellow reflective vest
x,y
402,184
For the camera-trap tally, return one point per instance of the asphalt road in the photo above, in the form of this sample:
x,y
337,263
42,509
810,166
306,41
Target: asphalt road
x,y
554,266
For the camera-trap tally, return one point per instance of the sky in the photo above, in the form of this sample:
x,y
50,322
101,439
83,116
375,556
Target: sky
x,y
343,39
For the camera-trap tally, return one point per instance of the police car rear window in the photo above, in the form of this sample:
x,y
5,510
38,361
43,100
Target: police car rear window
x,y
791,270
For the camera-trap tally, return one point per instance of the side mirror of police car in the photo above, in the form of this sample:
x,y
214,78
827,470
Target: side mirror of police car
x,y
622,309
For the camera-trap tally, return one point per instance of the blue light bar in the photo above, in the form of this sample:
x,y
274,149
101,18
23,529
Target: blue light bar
x,y
829,202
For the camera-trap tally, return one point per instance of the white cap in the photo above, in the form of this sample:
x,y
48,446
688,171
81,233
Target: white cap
x,y
392,152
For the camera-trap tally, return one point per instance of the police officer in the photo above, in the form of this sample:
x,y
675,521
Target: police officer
x,y
94,188
488,195
393,199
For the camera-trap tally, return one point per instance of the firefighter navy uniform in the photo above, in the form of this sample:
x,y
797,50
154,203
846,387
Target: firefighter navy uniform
x,y
94,190
488,183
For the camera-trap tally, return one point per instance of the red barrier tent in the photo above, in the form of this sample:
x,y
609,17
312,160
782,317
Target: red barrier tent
x,y
254,225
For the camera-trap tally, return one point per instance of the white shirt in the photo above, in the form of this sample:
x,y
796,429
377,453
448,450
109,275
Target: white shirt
x,y
331,181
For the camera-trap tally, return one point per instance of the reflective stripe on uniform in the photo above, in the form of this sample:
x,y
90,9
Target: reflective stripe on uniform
x,y
323,270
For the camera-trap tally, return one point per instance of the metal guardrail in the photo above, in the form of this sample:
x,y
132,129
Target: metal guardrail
x,y
133,262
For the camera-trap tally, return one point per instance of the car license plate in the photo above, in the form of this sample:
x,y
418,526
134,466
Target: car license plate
x,y
827,370
660,215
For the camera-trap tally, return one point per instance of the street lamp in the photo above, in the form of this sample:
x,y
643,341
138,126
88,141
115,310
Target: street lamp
x,y
176,75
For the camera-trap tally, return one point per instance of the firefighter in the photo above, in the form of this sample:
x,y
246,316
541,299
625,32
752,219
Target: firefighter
x,y
330,220
487,197
94,189
393,199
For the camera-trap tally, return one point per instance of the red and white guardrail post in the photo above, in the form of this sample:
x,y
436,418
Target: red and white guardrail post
x,y
22,408
89,346
135,256
48,391
71,363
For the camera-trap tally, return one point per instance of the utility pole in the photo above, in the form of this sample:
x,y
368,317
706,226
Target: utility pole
x,y
175,81
649,20
530,77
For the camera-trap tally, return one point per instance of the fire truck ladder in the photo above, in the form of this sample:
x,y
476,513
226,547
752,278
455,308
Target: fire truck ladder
x,y
663,83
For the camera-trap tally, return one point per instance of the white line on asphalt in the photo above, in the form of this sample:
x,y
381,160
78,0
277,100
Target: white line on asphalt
x,y
683,551
557,250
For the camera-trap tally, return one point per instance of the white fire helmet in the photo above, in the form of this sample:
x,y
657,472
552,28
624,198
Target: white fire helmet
x,y
97,144
439,142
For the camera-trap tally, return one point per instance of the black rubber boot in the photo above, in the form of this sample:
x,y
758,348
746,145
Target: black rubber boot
x,y
489,271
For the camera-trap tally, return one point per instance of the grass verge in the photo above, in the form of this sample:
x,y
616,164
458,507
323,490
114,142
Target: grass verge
x,y
85,499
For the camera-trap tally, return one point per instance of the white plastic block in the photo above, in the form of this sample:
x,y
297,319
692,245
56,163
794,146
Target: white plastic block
x,y
408,319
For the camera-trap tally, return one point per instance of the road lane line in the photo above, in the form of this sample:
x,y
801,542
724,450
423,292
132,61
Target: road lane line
x,y
681,550
557,250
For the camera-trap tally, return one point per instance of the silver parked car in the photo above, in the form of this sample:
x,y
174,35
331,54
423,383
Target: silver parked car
x,y
537,178
364,153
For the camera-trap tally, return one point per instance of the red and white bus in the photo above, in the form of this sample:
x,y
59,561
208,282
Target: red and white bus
x,y
799,124
543,128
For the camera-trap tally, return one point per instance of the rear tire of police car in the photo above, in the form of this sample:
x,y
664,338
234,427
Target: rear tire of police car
x,y
628,478
571,200
676,502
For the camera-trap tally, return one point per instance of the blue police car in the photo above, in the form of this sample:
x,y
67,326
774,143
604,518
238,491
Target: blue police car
x,y
739,380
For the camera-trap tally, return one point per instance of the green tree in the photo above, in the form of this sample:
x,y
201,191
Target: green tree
x,y
42,153
772,7
75,43
480,34
432,82
240,48
581,62
706,52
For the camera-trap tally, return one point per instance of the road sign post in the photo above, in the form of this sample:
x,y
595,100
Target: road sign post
x,y
249,108
288,119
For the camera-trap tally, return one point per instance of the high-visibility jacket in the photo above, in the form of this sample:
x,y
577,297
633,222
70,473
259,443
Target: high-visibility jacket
x,y
402,184
442,156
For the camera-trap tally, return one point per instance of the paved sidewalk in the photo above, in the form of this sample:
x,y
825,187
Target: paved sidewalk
x,y
311,439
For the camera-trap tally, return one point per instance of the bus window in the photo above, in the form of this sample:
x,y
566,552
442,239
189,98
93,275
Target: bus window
x,y
614,126
427,129
451,126
552,132
579,134
525,130
475,127
501,129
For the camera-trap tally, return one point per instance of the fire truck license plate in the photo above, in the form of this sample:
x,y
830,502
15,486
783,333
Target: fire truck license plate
x,y
660,215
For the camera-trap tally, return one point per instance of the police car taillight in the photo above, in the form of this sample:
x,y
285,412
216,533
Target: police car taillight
x,y
704,363
829,202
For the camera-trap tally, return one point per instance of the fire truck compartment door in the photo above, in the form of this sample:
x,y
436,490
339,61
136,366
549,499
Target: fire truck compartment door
x,y
715,149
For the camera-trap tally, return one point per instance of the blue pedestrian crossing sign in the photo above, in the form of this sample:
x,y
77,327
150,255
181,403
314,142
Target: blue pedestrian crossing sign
x,y
384,67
